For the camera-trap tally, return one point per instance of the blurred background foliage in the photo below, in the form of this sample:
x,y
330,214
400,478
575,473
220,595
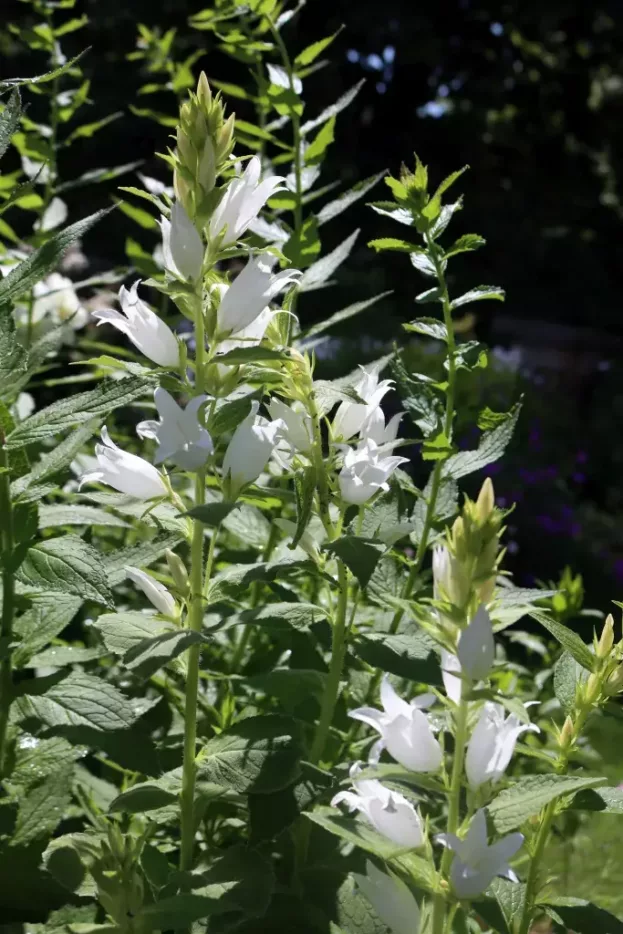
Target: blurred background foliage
x,y
530,94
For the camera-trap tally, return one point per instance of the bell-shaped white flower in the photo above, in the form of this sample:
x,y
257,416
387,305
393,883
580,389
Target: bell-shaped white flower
x,y
375,427
180,437
181,245
405,730
366,471
125,472
298,429
249,295
351,417
156,593
242,201
476,648
492,744
249,450
392,900
145,329
476,864
450,671
389,812
55,302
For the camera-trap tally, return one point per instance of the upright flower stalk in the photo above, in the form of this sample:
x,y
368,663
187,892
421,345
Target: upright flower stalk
x,y
8,600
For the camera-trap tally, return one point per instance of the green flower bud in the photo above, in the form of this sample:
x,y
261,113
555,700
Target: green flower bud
x,y
606,640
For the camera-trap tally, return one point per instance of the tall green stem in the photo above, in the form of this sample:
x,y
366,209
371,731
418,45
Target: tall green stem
x,y
8,599
454,806
338,653
194,622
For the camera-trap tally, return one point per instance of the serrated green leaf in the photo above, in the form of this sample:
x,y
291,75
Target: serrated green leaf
x,y
304,488
256,755
430,295
344,314
314,153
138,556
465,244
479,294
151,654
431,327
582,917
78,700
281,616
212,514
42,807
606,800
491,447
311,52
565,681
407,655
395,213
79,408
341,104
317,274
527,797
9,120
391,243
51,517
48,615
356,832
48,76
360,555
567,638
344,201
242,355
123,632
66,565
329,394
55,460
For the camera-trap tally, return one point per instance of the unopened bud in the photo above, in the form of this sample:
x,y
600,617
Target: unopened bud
x,y
207,167
203,91
567,734
486,501
593,688
178,570
458,539
224,142
614,684
606,640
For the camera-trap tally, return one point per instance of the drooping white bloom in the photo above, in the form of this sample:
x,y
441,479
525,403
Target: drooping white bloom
x,y
242,201
125,472
492,744
351,417
476,648
54,215
146,330
180,436
389,812
55,299
475,863
249,450
365,471
156,593
249,295
298,425
392,900
452,683
154,186
181,245
375,428
405,730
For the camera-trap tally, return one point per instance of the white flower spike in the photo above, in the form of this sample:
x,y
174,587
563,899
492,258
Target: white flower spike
x,y
156,593
180,437
249,295
389,812
366,471
145,329
492,744
249,450
124,472
475,863
476,648
181,245
242,201
392,900
405,730
351,417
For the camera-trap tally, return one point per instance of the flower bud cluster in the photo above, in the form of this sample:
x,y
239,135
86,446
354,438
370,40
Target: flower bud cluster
x,y
119,880
204,143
